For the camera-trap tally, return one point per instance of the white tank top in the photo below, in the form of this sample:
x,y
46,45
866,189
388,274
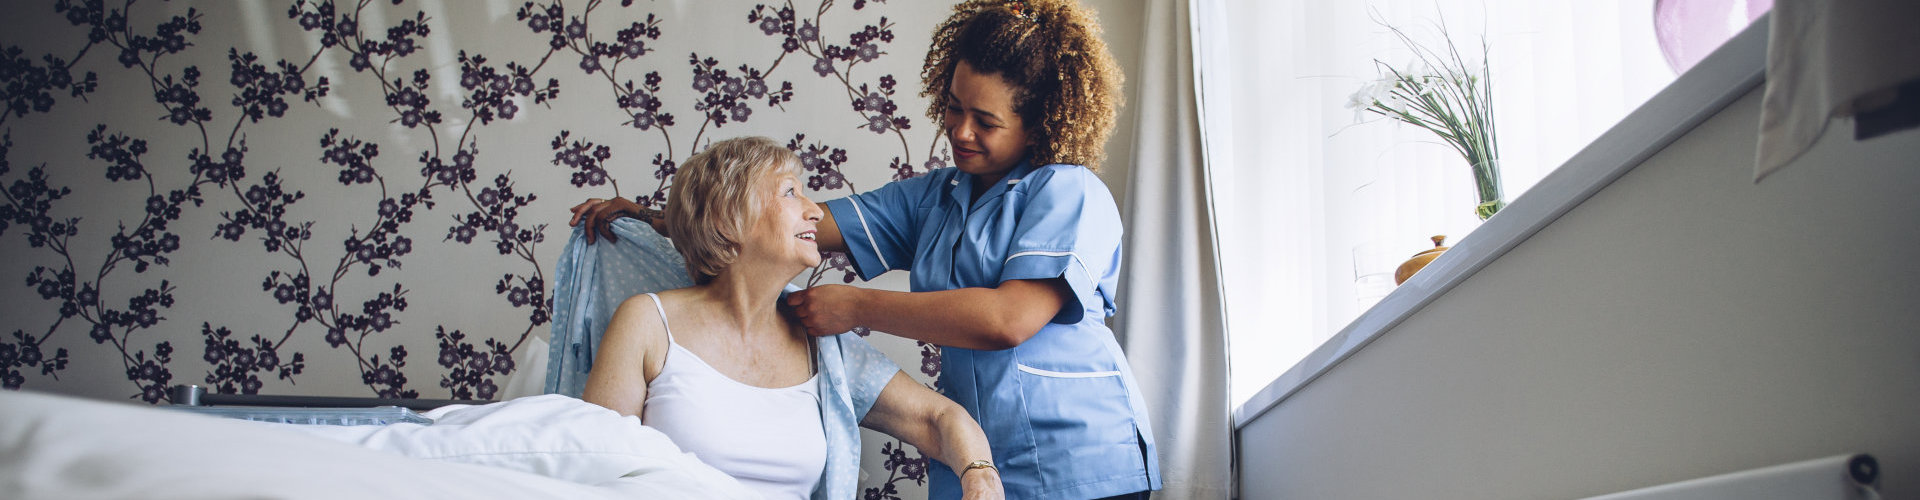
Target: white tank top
x,y
771,440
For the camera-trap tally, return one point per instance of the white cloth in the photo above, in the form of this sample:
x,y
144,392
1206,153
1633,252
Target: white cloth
x,y
770,439
530,376
1831,59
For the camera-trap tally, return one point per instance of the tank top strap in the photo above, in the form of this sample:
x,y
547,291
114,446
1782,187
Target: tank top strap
x,y
663,316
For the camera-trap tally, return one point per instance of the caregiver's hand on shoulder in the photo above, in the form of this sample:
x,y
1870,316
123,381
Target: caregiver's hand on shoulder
x,y
598,215
825,309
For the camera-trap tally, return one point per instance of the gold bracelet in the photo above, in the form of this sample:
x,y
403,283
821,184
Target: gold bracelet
x,y
978,464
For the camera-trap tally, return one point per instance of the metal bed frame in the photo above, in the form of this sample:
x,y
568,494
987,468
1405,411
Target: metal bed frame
x,y
194,395
311,410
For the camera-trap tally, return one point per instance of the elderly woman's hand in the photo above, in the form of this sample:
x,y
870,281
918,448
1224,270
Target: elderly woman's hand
x,y
599,214
826,309
981,484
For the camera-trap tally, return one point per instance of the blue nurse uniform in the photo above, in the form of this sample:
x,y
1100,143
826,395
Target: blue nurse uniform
x,y
1062,410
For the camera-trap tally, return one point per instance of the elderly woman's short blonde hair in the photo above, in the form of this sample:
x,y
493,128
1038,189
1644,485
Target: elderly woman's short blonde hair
x,y
716,198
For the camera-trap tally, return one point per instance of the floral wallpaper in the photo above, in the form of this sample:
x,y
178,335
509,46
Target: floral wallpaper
x,y
366,198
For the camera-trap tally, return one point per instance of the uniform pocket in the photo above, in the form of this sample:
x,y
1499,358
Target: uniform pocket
x,y
1082,425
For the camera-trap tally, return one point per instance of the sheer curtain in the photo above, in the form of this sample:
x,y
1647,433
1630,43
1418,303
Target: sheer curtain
x,y
1314,211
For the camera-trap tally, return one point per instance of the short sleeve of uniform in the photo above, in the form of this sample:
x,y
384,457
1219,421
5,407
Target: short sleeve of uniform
x,y
881,226
1068,228
868,371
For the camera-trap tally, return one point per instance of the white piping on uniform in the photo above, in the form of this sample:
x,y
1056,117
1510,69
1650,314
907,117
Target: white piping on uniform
x,y
863,228
1054,374
1076,259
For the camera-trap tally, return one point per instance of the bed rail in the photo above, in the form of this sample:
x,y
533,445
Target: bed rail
x,y
194,395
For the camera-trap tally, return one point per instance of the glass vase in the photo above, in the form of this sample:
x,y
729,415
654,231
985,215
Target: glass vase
x,y
1486,182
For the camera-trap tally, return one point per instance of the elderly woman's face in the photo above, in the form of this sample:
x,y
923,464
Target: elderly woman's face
x,y
787,223
988,137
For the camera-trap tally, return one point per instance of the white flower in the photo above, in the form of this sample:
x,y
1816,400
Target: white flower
x,y
1442,92
1361,99
1376,93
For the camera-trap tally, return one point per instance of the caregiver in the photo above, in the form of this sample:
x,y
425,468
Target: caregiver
x,y
1013,254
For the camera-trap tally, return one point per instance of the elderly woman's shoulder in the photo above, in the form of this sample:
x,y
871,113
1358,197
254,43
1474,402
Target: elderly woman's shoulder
x,y
639,321
643,306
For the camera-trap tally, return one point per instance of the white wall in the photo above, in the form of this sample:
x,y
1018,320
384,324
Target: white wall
x,y
1683,322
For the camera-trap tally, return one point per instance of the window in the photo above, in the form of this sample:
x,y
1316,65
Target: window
x,y
1314,211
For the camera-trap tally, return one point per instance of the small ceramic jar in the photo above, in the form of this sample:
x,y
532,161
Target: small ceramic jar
x,y
1419,260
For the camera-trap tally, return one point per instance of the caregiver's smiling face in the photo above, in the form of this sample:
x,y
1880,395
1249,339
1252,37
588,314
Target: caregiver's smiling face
x,y
988,137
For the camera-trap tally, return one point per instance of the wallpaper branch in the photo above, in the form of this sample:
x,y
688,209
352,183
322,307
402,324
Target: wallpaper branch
x,y
163,159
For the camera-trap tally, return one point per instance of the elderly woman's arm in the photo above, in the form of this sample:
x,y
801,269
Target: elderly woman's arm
x,y
940,429
619,377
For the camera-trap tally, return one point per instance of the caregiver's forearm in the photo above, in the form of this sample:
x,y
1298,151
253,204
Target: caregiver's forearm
x,y
828,235
972,318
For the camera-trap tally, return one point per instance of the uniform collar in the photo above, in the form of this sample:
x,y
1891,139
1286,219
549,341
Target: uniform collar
x,y
961,186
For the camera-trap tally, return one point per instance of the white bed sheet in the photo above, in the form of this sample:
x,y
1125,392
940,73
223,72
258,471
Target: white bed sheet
x,y
59,447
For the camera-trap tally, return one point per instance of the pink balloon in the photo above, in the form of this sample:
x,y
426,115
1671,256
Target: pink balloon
x,y
1690,29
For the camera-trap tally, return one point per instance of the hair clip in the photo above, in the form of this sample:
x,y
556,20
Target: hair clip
x,y
1019,8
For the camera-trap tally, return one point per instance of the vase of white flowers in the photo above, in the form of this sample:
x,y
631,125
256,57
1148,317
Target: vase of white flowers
x,y
1442,93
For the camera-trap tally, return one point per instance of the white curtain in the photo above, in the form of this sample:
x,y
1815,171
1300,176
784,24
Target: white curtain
x,y
1315,211
1171,321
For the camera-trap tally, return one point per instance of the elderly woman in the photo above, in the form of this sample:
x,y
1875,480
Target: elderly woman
x,y
718,367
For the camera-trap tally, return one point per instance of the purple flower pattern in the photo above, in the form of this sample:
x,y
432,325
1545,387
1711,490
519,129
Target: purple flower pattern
x,y
237,368
587,159
470,368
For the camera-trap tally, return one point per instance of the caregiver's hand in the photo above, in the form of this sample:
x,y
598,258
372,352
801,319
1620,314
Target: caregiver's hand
x,y
826,309
599,214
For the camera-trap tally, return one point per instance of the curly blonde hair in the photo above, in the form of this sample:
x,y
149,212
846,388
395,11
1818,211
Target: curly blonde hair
x,y
1068,87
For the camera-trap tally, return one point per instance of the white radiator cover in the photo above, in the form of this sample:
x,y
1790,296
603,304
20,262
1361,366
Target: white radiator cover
x,y
1840,477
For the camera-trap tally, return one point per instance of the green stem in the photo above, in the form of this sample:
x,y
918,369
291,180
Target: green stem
x,y
1486,180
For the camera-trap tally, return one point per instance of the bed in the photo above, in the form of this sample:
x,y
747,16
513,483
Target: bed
x,y
213,446
549,446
